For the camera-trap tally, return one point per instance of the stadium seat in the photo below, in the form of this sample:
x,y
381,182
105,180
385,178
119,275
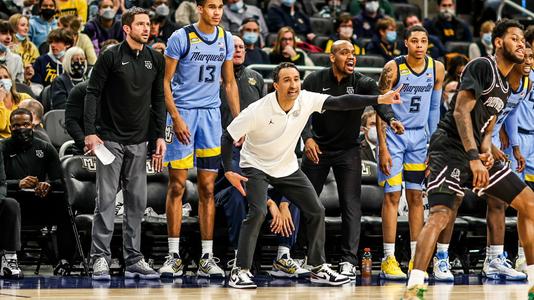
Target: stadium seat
x,y
54,124
320,41
320,59
370,61
401,10
45,98
458,47
322,26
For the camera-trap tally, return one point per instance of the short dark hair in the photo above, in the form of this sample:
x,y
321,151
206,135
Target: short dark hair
x,y
366,115
284,65
41,3
529,34
250,19
501,27
439,2
5,27
415,28
343,17
129,15
59,35
200,2
20,111
409,15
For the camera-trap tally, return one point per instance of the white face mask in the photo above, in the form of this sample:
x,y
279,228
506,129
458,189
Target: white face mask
x,y
372,135
372,6
448,13
346,32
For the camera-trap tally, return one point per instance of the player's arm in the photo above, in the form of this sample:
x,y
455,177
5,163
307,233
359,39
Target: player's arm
x,y
230,87
435,100
179,126
510,129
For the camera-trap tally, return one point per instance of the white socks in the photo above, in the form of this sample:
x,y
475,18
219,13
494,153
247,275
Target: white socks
x,y
389,249
10,255
521,252
174,245
530,275
281,251
442,248
494,250
413,245
207,247
416,277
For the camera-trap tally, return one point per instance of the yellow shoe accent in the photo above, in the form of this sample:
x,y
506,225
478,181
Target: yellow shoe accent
x,y
390,269
415,293
410,267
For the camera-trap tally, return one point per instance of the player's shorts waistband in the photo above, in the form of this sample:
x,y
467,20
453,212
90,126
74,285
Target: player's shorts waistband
x,y
525,131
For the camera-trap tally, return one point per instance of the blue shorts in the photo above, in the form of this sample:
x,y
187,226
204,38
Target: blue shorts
x,y
526,142
408,154
204,151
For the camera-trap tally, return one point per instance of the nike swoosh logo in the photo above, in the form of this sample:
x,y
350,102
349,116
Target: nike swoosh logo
x,y
125,63
12,155
325,89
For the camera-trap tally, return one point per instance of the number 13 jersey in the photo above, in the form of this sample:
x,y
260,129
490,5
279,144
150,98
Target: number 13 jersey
x,y
200,56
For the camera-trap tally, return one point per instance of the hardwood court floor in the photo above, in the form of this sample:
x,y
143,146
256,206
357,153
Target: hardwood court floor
x,y
468,288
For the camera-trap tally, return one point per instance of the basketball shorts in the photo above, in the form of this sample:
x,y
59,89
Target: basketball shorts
x,y
526,143
450,174
408,154
204,149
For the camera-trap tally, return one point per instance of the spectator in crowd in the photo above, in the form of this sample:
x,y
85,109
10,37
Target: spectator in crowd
x,y
37,110
285,49
331,10
386,43
49,66
484,46
455,67
365,22
250,34
41,25
435,46
236,11
447,26
344,31
10,224
369,141
36,88
9,100
155,40
80,39
288,14
72,8
104,26
384,6
186,13
449,90
31,163
74,116
74,72
161,11
11,60
21,43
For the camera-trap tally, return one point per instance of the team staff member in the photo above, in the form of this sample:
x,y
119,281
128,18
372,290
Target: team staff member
x,y
332,141
126,89
272,126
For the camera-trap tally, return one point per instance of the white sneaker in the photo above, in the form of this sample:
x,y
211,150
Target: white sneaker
x,y
501,267
442,267
286,267
9,268
101,269
325,275
207,267
521,264
173,266
347,269
241,279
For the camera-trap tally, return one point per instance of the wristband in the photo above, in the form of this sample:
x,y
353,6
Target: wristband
x,y
391,120
473,154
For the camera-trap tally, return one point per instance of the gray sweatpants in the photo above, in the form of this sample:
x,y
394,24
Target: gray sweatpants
x,y
298,189
129,166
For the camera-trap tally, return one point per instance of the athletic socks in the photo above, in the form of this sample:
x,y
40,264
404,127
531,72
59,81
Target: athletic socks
x,y
207,247
520,252
494,250
281,251
174,245
10,255
416,277
389,249
413,245
530,275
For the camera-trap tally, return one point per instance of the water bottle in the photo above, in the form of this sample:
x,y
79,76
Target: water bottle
x,y
367,263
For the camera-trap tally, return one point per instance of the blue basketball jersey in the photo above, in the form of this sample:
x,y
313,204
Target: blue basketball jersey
x,y
525,114
197,80
416,92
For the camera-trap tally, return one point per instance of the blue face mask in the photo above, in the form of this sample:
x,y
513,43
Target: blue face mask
x,y
20,37
250,38
391,36
288,2
60,54
486,38
6,83
237,6
3,48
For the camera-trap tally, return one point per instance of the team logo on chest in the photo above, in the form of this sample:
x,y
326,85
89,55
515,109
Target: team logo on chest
x,y
350,90
39,153
148,64
251,81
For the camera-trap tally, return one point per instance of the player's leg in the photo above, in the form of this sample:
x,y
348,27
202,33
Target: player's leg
x,y
441,265
527,150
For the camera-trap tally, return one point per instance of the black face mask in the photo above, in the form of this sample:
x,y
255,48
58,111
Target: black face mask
x,y
48,13
22,136
78,70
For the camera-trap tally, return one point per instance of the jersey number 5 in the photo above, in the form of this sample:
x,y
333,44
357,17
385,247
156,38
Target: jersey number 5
x,y
415,104
210,76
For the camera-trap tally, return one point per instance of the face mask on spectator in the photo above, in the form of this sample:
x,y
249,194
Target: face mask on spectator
x,y
20,37
78,70
108,13
346,32
162,10
60,54
3,48
372,135
288,2
391,36
237,6
6,83
447,13
250,38
48,13
372,6
22,136
486,38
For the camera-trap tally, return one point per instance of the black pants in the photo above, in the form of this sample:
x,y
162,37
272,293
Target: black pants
x,y
347,167
299,191
9,225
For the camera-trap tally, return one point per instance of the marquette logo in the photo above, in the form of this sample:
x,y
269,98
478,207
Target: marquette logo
x,y
416,88
207,57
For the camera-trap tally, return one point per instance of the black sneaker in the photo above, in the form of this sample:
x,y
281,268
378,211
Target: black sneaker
x,y
323,274
240,279
63,268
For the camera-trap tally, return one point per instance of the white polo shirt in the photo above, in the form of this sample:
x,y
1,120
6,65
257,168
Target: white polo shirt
x,y
272,134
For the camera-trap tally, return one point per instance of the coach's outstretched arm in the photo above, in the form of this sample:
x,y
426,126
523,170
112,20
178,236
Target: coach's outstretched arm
x,y
356,101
